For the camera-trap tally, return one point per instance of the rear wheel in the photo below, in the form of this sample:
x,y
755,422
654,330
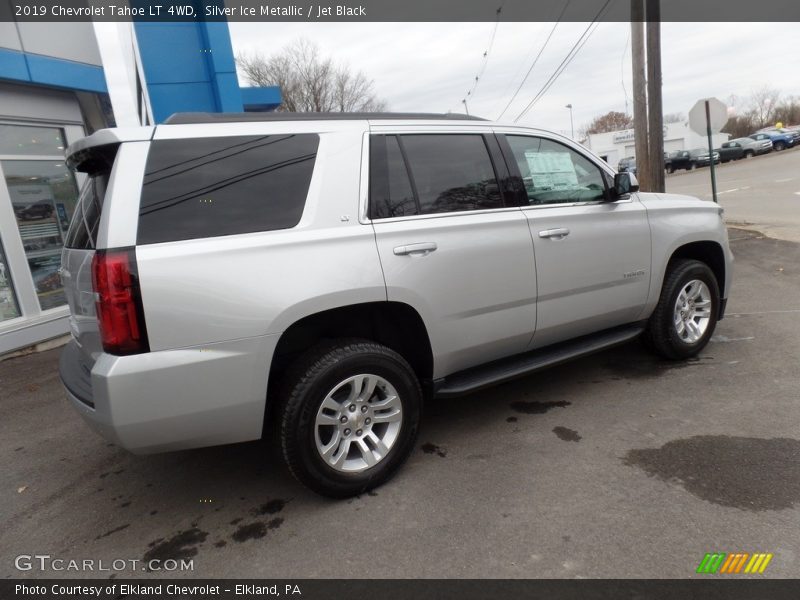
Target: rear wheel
x,y
350,417
687,311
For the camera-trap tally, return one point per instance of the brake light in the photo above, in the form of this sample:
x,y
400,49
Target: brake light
x,y
120,316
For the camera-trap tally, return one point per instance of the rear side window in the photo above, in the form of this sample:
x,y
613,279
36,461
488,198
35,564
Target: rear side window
x,y
431,173
209,187
391,194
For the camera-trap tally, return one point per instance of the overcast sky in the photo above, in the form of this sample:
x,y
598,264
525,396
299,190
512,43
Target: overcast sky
x,y
431,66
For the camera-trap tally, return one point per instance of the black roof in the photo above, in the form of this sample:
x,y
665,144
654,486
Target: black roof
x,y
203,117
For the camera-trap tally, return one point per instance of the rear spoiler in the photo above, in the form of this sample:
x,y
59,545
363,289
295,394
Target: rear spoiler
x,y
96,152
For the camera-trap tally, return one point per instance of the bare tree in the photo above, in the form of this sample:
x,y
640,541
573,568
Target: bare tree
x,y
788,111
763,103
611,121
675,117
309,82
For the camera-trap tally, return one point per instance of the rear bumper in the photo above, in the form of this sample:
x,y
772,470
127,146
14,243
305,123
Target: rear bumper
x,y
173,399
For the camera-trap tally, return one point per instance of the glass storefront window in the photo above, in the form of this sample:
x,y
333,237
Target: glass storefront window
x,y
23,140
9,309
43,195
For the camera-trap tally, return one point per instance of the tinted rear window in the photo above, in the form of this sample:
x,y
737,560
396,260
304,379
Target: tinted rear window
x,y
208,187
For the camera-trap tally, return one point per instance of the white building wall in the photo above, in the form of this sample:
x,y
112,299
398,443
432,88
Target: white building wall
x,y
616,145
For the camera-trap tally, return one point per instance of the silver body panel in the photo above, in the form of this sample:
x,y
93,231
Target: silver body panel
x,y
491,287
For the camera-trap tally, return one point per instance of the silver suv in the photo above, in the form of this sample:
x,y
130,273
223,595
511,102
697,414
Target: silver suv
x,y
327,274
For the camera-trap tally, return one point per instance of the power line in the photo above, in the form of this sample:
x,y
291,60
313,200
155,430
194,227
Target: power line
x,y
535,60
584,37
622,70
486,53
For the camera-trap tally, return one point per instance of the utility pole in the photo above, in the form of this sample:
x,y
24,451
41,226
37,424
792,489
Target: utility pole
x,y
655,112
571,124
643,169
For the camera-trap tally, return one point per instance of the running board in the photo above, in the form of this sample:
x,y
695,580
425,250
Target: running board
x,y
477,378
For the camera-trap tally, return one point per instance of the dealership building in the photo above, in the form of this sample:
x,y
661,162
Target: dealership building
x,y
54,89
616,145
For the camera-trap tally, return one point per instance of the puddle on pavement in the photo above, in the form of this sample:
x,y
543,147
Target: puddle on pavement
x,y
645,367
567,434
429,448
183,545
537,408
753,474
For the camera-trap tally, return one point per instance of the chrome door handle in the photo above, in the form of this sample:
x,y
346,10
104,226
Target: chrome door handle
x,y
421,249
559,233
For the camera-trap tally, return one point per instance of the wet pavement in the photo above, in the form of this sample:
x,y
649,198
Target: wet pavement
x,y
616,465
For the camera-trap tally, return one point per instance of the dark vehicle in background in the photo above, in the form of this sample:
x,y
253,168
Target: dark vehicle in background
x,y
700,157
627,165
38,210
780,141
689,159
679,159
732,150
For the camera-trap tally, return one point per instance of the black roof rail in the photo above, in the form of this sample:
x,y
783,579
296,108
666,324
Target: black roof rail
x,y
204,117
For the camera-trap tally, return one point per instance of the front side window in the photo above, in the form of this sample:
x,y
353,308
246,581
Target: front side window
x,y
209,187
554,173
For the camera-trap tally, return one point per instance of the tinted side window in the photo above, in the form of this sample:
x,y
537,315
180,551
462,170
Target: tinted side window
x,y
451,172
554,173
390,191
208,187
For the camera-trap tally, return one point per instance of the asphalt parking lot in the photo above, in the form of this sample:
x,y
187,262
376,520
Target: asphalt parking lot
x,y
761,192
617,465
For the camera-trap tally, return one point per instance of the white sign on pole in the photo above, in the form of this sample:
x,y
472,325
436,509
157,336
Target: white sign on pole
x,y
717,111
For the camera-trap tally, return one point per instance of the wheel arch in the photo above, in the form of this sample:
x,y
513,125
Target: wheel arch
x,y
706,251
395,325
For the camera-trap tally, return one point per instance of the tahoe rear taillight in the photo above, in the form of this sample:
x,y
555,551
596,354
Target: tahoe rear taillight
x,y
118,299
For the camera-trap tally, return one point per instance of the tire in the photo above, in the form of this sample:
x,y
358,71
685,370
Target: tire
x,y
779,146
328,374
672,169
749,154
663,335
692,166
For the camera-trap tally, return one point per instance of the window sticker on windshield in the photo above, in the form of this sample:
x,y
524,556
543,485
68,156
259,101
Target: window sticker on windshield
x,y
552,170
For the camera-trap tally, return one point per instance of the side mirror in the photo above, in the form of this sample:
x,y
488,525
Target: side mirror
x,y
624,184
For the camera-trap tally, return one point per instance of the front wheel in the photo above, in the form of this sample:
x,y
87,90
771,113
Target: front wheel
x,y
350,417
779,146
687,311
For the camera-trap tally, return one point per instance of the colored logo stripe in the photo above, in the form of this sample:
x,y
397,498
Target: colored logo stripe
x,y
734,562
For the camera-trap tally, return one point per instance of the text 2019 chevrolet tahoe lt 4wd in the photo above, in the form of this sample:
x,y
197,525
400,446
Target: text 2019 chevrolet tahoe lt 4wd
x,y
328,273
